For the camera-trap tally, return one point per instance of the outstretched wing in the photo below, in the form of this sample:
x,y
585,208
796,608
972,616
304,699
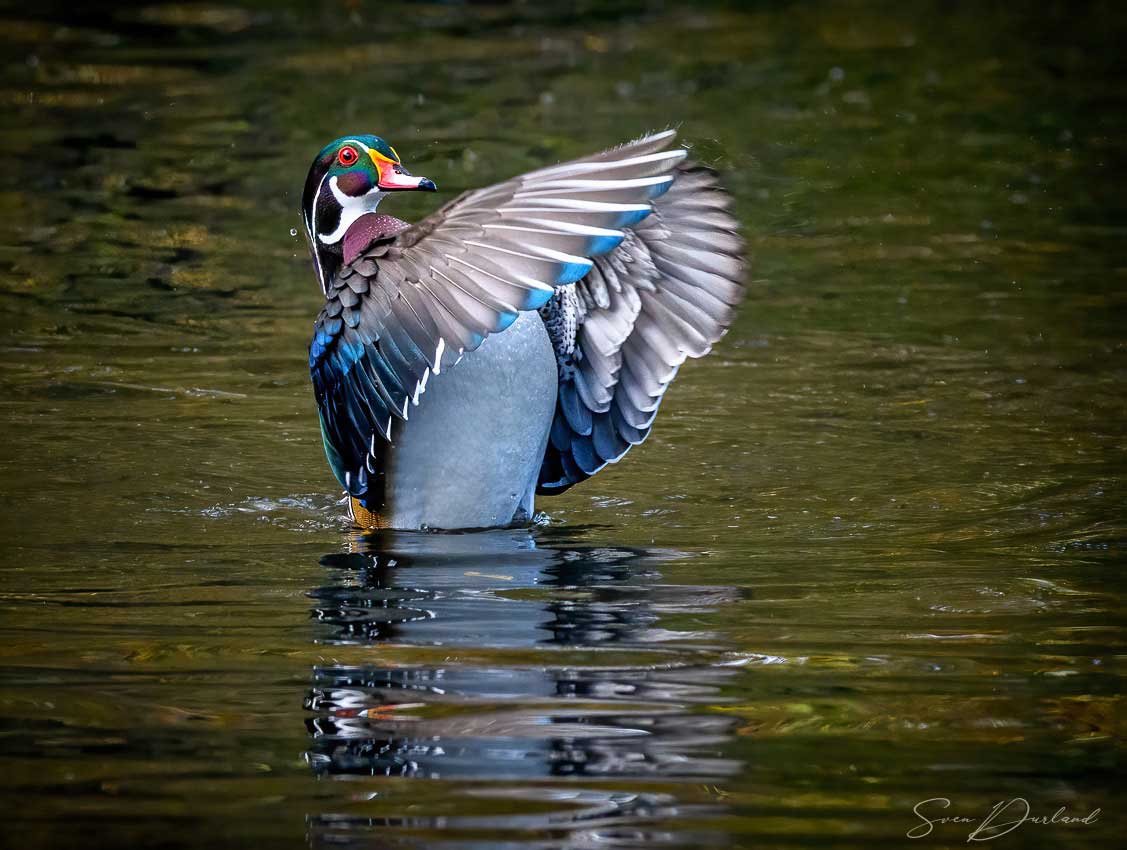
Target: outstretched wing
x,y
415,301
667,292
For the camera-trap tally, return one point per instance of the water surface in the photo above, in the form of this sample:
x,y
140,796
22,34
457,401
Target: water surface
x,y
871,555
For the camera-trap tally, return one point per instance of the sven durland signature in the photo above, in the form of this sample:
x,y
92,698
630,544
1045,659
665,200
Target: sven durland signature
x,y
1003,819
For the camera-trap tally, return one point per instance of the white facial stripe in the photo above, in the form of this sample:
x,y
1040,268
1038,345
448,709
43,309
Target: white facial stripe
x,y
311,225
350,209
376,156
311,229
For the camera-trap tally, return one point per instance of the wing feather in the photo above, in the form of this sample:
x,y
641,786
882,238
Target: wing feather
x,y
666,293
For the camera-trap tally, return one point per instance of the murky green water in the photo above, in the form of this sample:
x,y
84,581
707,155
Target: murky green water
x,y
873,553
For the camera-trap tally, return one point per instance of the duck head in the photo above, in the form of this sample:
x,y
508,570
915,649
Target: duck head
x,y
347,180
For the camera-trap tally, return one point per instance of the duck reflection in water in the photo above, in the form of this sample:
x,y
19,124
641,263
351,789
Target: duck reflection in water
x,y
639,714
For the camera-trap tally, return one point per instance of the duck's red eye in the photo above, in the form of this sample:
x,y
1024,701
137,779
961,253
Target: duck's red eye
x,y
347,156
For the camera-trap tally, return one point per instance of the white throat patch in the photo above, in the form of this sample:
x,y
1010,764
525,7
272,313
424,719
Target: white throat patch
x,y
351,208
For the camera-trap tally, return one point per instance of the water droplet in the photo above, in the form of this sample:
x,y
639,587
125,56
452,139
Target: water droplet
x,y
293,231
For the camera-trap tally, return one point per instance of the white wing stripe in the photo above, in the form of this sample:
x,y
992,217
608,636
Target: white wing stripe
x,y
661,161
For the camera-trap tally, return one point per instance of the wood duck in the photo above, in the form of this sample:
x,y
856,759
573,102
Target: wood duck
x,y
517,340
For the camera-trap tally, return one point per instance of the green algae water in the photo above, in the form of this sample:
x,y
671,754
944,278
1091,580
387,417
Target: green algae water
x,y
872,555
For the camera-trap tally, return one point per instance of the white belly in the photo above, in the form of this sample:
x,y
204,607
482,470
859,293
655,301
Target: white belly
x,y
470,453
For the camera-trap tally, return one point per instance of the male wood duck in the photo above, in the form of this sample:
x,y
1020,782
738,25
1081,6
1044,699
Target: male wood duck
x,y
516,341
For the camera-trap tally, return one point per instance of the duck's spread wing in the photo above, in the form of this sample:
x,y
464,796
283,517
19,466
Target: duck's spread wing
x,y
413,302
621,333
